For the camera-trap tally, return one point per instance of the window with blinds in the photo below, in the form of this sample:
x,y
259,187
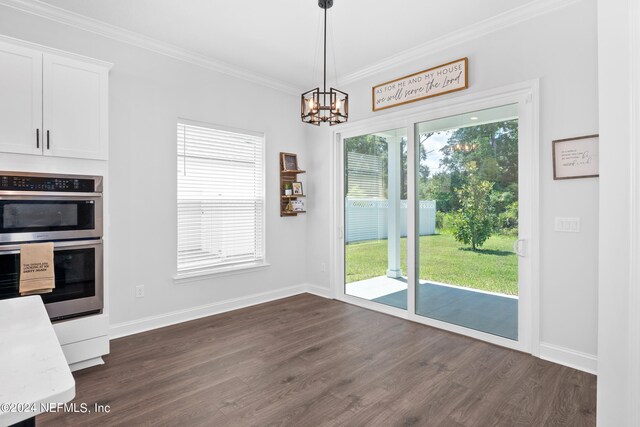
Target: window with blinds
x,y
220,198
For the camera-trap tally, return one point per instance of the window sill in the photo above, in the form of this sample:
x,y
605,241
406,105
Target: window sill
x,y
198,276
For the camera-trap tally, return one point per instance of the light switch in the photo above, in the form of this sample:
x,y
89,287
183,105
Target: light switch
x,y
567,225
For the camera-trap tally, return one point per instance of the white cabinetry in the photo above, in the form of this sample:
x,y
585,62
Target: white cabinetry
x,y
57,105
20,99
84,340
74,108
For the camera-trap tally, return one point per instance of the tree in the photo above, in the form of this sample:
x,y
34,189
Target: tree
x,y
475,221
423,169
492,146
438,187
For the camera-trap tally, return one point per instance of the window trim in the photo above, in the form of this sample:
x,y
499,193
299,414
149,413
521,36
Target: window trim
x,y
196,276
187,276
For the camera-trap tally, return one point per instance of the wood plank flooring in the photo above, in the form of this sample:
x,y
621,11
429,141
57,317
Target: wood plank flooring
x,y
308,361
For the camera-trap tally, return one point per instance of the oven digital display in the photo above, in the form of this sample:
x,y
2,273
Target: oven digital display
x,y
38,183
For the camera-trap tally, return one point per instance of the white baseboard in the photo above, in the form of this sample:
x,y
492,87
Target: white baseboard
x,y
319,291
153,322
571,358
553,353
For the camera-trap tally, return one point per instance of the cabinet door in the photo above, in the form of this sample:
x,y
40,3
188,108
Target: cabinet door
x,y
20,99
74,108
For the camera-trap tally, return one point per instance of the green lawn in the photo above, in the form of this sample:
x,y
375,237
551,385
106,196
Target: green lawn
x,y
492,268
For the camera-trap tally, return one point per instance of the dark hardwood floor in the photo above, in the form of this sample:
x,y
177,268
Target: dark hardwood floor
x,y
308,361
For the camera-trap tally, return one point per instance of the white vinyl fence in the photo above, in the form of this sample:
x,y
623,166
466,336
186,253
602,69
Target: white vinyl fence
x,y
366,219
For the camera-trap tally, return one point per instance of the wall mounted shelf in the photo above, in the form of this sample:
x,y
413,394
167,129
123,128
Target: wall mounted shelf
x,y
288,176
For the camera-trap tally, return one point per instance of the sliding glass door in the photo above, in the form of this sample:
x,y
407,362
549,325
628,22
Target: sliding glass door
x,y
375,217
438,220
468,216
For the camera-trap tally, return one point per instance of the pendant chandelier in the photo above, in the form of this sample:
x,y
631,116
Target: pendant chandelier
x,y
322,106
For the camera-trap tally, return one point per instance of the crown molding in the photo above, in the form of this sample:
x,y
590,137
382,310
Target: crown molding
x,y
490,25
95,26
58,52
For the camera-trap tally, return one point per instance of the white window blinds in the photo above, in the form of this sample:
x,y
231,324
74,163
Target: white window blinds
x,y
220,198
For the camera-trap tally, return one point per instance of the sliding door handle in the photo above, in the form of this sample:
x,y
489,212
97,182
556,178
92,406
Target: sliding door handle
x,y
519,247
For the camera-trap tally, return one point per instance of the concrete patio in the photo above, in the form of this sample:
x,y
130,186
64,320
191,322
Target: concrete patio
x,y
483,311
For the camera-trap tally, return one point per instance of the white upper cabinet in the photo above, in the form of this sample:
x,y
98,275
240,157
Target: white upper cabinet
x,y
74,108
20,99
52,104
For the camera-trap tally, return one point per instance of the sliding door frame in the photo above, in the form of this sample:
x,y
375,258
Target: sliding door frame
x,y
526,96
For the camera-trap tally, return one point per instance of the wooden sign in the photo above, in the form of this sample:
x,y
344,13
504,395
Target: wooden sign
x,y
575,157
439,80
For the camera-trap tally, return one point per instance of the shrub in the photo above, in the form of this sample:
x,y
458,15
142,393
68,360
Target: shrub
x,y
439,220
501,200
475,222
509,218
444,222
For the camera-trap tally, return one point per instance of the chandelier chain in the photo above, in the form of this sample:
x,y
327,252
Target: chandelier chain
x,y
316,53
333,51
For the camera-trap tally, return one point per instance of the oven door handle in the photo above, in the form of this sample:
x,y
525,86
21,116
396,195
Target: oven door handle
x,y
75,244
70,195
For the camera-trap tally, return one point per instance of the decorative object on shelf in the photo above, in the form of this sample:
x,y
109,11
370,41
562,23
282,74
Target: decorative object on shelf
x,y
289,162
331,106
297,188
575,157
297,205
290,186
289,207
446,78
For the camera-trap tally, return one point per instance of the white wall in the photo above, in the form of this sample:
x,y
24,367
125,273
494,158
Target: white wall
x,y
561,49
148,92
619,329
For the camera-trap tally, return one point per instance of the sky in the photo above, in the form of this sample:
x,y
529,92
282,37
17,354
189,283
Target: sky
x,y
433,145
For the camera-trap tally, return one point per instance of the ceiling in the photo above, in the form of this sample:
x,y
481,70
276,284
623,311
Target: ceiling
x,y
282,40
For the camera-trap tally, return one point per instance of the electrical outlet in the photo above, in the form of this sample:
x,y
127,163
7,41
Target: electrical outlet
x,y
567,225
323,267
140,291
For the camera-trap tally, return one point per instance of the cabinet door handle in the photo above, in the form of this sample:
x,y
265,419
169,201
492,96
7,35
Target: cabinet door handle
x,y
47,140
37,138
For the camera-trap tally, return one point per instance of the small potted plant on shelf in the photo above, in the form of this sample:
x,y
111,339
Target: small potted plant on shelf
x,y
287,189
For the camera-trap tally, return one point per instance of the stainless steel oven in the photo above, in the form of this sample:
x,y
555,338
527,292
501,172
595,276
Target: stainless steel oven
x,y
78,272
65,210
37,207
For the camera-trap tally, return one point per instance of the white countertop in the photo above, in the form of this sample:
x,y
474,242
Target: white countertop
x,y
33,369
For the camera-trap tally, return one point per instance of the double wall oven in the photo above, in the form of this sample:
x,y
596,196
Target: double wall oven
x,y
65,210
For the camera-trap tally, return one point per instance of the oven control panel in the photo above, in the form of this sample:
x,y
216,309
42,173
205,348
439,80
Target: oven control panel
x,y
45,183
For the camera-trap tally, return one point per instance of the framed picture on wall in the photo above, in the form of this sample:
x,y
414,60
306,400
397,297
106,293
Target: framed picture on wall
x,y
298,205
575,157
297,188
289,162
